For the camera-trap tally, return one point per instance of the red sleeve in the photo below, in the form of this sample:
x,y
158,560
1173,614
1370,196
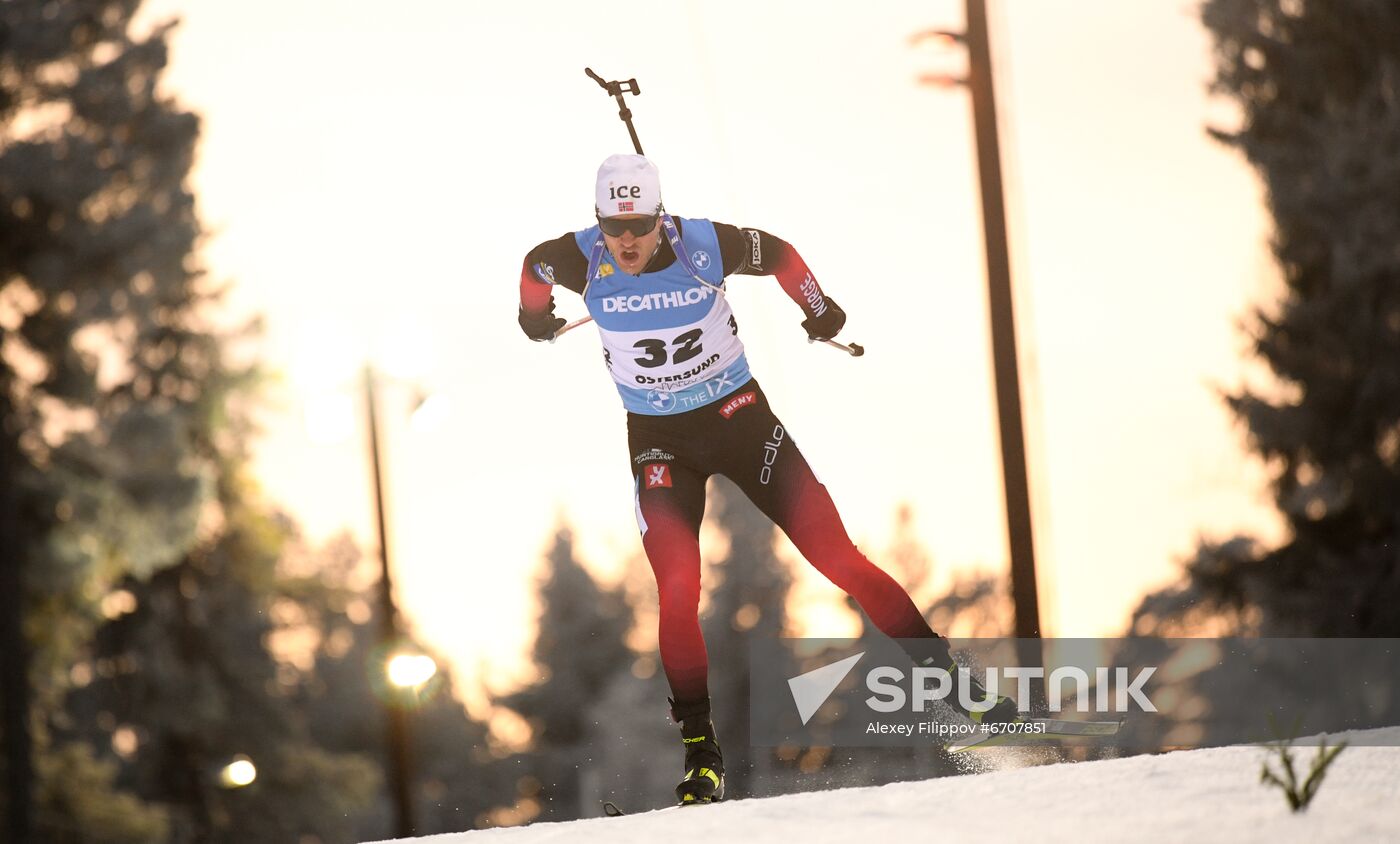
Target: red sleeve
x,y
750,251
557,262
535,295
794,276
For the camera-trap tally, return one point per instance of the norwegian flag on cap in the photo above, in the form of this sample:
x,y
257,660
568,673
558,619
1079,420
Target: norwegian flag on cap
x,y
627,184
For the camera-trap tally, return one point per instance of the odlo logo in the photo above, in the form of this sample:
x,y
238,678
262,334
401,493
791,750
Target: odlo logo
x,y
770,454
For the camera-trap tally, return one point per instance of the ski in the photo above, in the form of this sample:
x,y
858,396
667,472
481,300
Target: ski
x,y
1034,729
612,810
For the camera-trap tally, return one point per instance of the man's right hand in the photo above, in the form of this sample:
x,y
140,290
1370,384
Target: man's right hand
x,y
540,326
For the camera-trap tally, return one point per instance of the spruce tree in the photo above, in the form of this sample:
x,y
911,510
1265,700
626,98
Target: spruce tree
x,y
101,357
1318,88
580,643
189,674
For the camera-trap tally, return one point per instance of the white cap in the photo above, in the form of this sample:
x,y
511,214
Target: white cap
x,y
627,184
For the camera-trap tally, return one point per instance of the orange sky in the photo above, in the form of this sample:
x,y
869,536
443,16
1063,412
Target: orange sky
x,y
373,175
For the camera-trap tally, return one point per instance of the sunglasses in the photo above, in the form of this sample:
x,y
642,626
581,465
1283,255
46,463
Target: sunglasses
x,y
614,227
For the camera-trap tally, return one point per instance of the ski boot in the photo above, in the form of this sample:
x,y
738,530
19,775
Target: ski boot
x,y
1004,711
704,766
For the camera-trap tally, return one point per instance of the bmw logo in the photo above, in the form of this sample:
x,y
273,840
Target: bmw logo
x,y
701,259
661,401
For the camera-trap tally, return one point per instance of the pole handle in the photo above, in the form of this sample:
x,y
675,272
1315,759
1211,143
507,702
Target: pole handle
x,y
855,350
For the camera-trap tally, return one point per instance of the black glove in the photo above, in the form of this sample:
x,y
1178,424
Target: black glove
x,y
539,327
827,325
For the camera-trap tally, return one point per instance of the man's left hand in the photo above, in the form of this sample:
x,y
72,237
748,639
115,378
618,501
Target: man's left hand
x,y
827,325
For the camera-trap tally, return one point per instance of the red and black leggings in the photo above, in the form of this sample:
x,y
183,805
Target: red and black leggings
x,y
740,438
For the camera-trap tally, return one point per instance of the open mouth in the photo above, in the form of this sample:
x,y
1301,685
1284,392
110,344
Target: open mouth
x,y
630,256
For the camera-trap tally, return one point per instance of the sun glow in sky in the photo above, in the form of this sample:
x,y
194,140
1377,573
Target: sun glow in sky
x,y
374,173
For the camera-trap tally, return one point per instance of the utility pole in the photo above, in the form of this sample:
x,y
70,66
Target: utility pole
x,y
400,789
1015,481
1008,381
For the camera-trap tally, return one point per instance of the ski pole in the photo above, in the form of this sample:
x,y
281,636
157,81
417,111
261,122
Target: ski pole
x,y
570,327
855,350
617,89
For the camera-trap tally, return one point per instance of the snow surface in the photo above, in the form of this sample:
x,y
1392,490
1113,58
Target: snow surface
x,y
1186,796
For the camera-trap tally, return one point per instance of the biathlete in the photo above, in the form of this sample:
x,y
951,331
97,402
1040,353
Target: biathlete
x,y
654,284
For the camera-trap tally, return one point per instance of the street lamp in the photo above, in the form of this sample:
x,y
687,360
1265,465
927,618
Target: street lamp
x,y
238,773
1008,389
322,362
411,670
